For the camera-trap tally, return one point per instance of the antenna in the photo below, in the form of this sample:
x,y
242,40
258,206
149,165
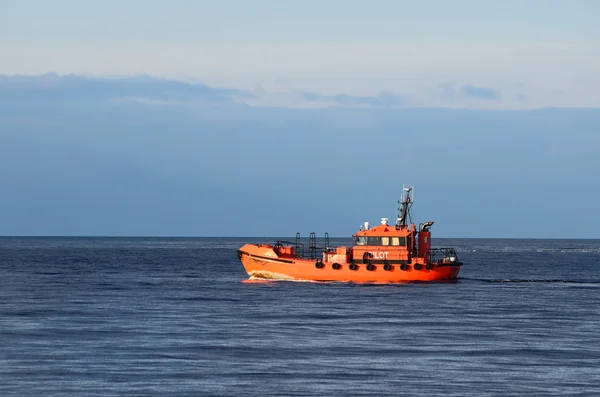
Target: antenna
x,y
407,189
406,204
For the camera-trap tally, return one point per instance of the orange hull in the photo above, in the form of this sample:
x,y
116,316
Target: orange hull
x,y
261,261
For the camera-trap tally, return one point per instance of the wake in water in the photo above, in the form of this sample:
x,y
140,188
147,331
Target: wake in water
x,y
260,280
507,280
530,248
593,283
266,276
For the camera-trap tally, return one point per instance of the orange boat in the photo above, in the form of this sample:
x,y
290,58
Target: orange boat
x,y
380,254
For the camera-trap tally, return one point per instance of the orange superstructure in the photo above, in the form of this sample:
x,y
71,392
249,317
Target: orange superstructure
x,y
383,253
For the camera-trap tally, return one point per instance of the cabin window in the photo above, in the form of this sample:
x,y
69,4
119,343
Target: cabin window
x,y
385,241
399,241
360,240
373,240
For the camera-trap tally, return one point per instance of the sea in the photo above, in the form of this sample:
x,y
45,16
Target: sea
x,y
178,317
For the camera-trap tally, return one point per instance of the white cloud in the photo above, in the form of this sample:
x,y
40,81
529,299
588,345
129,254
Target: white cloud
x,y
361,69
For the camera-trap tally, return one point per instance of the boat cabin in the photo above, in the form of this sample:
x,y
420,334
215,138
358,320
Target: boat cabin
x,y
399,243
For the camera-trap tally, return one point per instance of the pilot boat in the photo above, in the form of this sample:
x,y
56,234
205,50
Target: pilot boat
x,y
381,254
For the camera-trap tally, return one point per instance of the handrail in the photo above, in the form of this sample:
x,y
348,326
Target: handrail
x,y
446,253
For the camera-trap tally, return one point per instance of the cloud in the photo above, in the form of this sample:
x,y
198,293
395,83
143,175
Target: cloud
x,y
476,92
452,93
51,90
69,88
156,91
384,99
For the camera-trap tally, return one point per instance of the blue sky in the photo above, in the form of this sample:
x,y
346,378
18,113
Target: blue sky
x,y
263,118
533,53
150,157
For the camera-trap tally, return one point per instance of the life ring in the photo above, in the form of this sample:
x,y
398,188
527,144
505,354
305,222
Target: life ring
x,y
336,266
417,266
387,267
353,266
429,266
370,267
404,266
319,265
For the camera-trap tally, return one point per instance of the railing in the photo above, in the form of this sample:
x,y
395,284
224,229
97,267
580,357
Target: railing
x,y
443,255
298,246
312,245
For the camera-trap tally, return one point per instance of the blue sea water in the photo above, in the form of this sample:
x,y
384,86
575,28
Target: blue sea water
x,y
172,316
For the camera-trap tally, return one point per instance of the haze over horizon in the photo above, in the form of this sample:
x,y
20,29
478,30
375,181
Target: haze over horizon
x,y
199,118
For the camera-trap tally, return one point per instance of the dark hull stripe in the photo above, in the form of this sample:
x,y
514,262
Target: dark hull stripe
x,y
357,262
399,262
380,262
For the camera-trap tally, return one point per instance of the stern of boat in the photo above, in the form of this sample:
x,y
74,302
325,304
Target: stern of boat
x,y
445,258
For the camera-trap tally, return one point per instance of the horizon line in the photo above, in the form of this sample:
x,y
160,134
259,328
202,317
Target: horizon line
x,y
276,237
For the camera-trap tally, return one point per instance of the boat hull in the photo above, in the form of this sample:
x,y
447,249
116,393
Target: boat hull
x,y
262,262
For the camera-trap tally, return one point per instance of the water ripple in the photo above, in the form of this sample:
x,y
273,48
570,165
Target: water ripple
x,y
173,317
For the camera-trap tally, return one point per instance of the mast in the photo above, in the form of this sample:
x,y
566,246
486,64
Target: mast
x,y
405,206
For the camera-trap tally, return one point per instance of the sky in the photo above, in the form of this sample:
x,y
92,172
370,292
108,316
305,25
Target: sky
x,y
533,53
196,118
152,157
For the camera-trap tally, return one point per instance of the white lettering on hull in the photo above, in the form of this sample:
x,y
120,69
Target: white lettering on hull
x,y
380,255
